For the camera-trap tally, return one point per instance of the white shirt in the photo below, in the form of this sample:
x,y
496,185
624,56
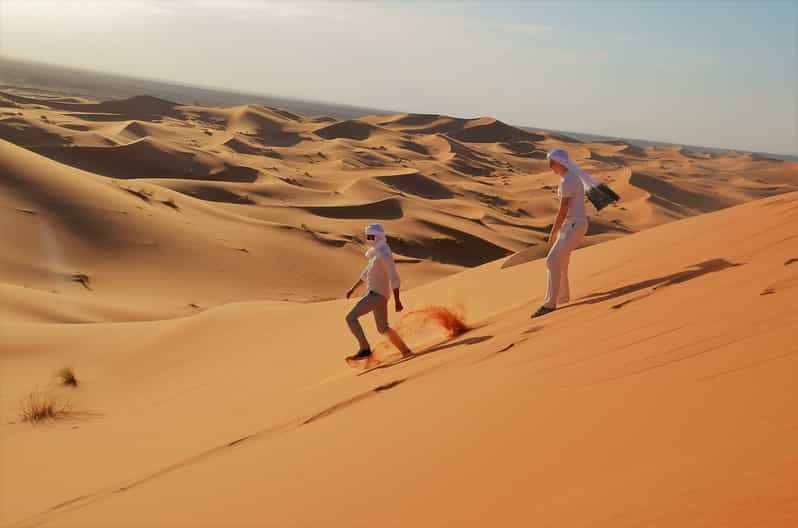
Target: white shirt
x,y
571,187
380,274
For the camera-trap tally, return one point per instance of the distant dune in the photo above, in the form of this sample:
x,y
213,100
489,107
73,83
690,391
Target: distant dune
x,y
80,84
249,194
347,129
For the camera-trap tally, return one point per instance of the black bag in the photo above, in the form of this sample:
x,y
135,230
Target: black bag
x,y
601,196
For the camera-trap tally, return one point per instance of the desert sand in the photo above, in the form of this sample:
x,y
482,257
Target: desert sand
x,y
244,202
188,264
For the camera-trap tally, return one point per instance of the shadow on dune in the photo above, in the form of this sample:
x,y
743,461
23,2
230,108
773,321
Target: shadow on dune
x,y
418,185
351,129
453,246
661,189
386,209
277,138
693,272
147,158
467,341
437,348
210,193
414,147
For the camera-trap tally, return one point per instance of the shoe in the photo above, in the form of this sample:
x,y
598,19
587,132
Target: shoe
x,y
362,354
543,310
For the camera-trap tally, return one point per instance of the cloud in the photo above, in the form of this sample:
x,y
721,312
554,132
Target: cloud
x,y
283,12
532,29
273,10
83,13
276,9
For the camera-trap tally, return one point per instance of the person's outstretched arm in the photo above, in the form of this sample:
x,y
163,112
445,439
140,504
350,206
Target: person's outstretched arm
x,y
565,203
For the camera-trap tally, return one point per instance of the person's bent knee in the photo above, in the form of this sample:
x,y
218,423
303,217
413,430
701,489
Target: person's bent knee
x,y
351,317
383,328
553,261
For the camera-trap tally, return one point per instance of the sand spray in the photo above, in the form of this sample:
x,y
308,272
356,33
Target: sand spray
x,y
417,322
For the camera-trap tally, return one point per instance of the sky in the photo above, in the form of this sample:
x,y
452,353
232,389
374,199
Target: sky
x,y
711,73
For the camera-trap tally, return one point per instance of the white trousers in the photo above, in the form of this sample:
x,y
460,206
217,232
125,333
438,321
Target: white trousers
x,y
571,234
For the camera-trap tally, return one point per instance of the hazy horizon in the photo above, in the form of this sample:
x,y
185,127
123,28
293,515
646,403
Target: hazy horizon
x,y
715,74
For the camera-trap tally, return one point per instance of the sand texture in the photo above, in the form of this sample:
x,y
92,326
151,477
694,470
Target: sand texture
x,y
188,264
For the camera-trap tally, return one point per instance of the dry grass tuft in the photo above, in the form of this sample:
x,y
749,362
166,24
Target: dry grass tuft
x,y
41,406
67,377
82,278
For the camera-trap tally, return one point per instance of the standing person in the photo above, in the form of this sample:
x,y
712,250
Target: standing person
x,y
569,228
380,276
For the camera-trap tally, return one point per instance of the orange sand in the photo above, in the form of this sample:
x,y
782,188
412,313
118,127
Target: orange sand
x,y
663,395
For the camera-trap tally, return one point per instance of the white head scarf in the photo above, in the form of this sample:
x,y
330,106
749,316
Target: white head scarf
x,y
561,157
379,238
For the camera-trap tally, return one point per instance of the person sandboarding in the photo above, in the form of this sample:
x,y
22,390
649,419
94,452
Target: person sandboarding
x,y
570,225
380,277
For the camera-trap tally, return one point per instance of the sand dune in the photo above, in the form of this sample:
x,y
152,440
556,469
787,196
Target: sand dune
x,y
418,123
265,125
132,239
633,151
148,158
488,130
388,209
417,184
452,192
241,146
347,130
662,396
680,197
188,264
481,130
144,106
469,161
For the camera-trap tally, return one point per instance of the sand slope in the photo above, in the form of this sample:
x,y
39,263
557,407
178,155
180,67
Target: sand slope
x,y
664,395
188,264
78,239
